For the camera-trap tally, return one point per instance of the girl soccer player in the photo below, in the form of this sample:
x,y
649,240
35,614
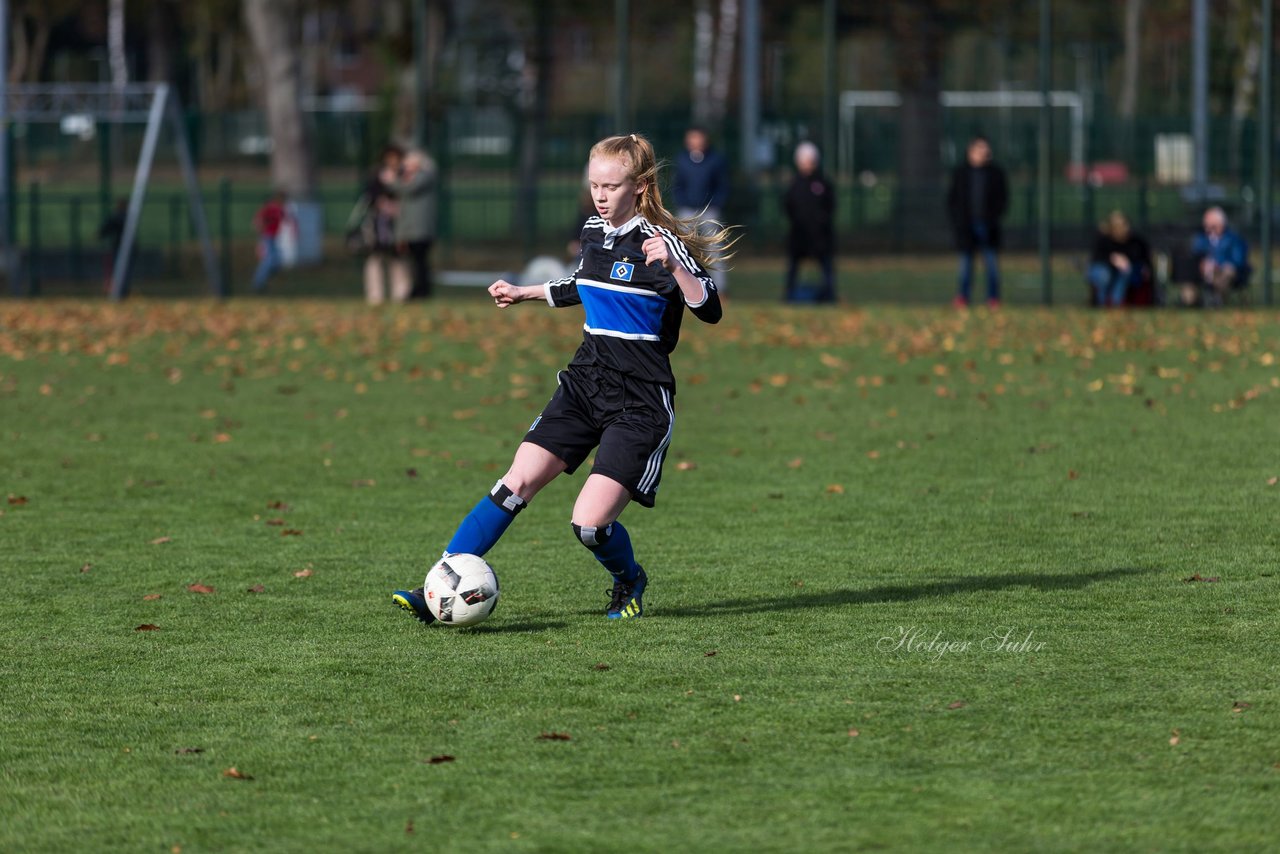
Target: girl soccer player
x,y
640,268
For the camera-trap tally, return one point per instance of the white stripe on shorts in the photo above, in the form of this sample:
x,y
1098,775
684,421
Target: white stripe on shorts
x,y
649,480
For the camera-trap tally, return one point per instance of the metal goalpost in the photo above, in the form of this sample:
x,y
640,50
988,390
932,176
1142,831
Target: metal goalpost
x,y
152,103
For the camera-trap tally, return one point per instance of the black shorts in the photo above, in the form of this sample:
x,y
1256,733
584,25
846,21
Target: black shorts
x,y
629,420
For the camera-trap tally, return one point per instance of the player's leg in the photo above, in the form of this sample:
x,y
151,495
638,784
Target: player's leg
x,y
595,522
628,467
533,468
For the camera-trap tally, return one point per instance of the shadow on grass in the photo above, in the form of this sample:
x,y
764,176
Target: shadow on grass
x,y
905,592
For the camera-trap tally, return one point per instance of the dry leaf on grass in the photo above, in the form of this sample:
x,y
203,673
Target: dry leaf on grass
x,y
235,773
159,541
147,627
554,736
201,588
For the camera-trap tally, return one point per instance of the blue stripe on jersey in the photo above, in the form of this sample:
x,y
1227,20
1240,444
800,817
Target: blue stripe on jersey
x,y
620,309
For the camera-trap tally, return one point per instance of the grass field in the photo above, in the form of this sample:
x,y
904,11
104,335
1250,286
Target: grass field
x,y
920,580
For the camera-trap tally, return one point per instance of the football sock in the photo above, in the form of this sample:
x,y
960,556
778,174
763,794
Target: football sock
x,y
612,547
486,522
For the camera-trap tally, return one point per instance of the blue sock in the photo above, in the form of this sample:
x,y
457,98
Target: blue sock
x,y
486,522
612,547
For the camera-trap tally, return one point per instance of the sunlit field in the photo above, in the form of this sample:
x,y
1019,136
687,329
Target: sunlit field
x,y
920,580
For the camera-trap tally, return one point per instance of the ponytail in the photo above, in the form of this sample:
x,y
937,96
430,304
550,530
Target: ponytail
x,y
710,247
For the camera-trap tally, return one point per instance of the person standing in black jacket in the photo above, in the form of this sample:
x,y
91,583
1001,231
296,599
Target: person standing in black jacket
x,y
810,204
976,201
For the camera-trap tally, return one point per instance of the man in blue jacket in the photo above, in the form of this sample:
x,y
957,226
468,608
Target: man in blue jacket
x,y
700,187
1223,257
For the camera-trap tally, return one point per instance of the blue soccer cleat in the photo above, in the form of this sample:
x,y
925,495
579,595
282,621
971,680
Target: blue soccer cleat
x,y
625,603
414,602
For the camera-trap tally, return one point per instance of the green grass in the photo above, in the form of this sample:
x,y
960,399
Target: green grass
x,y
837,478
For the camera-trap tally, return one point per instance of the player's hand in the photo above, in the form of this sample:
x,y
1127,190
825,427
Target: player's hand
x,y
655,249
504,293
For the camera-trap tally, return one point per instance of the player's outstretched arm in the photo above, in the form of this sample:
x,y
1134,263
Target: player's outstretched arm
x,y
504,293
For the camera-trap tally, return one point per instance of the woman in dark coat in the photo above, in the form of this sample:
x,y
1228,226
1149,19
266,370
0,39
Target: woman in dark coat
x,y
810,204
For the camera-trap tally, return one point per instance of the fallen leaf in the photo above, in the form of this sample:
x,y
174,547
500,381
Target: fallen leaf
x,y
554,736
221,438
363,482
1198,577
436,760
236,774
853,733
182,750
411,473
737,698
86,567
159,541
275,522
278,505
1272,481
303,573
257,588
17,499
147,627
408,827
151,597
291,532
686,465
709,653
796,463
1072,474
958,704
873,455
601,666
1176,738
200,588
1239,706
835,489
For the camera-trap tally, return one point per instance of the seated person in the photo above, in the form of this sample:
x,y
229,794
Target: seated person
x,y
1120,265
1223,259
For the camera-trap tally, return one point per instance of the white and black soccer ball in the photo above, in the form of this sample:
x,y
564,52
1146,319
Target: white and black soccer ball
x,y
461,590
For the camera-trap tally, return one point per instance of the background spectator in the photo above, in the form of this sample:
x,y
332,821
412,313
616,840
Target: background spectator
x,y
976,201
267,221
810,203
1121,261
382,259
1222,258
700,187
415,189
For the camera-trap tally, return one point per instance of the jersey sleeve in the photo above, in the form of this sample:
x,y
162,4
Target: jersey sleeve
x,y
707,309
561,293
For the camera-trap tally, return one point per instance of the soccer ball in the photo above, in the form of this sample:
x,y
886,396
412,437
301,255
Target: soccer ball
x,y
461,590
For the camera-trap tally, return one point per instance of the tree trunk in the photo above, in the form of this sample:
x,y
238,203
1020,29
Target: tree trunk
x,y
704,39
534,104
1128,105
274,29
722,72
919,39
116,58
1249,42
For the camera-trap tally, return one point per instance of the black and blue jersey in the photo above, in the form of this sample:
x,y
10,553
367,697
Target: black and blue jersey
x,y
633,310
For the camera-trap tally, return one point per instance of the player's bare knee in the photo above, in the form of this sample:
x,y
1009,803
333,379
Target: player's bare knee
x,y
593,536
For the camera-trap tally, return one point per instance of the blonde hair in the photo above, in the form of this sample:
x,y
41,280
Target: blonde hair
x,y
636,153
